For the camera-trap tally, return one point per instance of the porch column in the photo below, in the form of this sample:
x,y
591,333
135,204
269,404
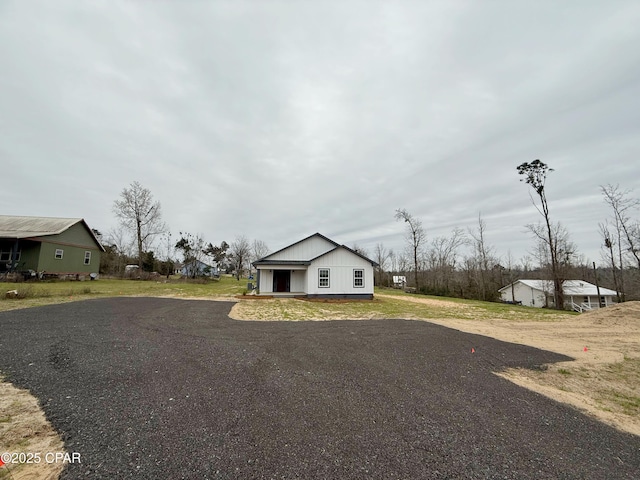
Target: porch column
x,y
13,257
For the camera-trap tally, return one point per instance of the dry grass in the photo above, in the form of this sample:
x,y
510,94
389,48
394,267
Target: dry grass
x,y
23,428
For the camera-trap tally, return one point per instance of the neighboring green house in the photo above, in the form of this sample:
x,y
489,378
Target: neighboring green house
x,y
50,246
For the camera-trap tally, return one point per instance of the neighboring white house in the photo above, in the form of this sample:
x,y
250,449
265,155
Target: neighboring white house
x,y
578,294
399,281
316,267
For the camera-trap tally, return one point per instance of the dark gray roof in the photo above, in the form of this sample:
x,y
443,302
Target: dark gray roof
x,y
281,262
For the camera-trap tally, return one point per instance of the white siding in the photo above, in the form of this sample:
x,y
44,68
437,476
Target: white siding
x,y
298,280
306,250
341,264
266,281
297,283
530,297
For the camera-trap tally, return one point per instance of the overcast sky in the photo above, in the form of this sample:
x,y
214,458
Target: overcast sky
x,y
278,119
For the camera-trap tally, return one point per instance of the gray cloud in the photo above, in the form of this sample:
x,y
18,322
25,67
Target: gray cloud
x,y
279,119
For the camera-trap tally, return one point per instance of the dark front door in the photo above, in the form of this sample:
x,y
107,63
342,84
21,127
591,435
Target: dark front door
x,y
281,280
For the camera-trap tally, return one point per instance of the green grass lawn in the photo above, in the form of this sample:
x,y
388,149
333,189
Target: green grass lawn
x,y
33,294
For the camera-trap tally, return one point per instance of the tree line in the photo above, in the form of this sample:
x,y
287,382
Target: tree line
x,y
462,264
440,267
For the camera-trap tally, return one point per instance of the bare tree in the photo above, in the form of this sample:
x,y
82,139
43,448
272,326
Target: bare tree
x,y
563,250
442,258
120,247
140,214
535,174
484,257
259,249
239,253
381,256
415,237
627,230
609,256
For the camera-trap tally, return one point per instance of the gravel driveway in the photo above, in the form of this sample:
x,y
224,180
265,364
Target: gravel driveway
x,y
151,388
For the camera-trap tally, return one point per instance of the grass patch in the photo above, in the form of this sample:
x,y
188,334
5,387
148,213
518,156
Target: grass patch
x,y
477,309
45,293
389,307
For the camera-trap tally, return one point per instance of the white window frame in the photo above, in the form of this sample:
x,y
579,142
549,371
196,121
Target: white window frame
x,y
321,277
87,257
59,253
360,278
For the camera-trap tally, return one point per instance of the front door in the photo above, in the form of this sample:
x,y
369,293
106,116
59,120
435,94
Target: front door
x,y
282,280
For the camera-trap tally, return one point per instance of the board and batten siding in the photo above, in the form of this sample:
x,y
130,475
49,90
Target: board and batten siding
x,y
297,283
266,280
341,264
310,248
529,296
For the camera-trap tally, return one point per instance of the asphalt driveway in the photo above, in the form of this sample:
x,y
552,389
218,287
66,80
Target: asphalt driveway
x,y
153,388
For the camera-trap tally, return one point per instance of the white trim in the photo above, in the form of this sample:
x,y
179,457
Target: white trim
x,y
360,278
321,278
59,253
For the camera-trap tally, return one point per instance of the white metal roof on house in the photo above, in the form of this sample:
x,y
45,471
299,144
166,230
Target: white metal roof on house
x,y
569,287
17,227
25,227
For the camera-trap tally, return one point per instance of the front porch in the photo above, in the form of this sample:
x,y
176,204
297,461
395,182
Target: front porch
x,y
283,280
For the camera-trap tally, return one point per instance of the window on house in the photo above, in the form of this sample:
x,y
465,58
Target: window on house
x,y
87,258
59,253
323,277
358,278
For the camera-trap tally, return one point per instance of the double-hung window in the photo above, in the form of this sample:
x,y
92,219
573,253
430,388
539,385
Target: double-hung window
x,y
358,278
87,258
323,277
59,253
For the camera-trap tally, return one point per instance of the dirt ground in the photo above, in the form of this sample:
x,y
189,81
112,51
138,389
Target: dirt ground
x,y
23,428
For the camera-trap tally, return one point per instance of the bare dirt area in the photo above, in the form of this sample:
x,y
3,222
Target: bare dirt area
x,y
23,428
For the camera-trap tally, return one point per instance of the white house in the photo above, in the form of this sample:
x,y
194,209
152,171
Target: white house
x,y
578,294
316,267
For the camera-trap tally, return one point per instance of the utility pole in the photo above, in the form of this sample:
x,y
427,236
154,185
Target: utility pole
x,y
595,271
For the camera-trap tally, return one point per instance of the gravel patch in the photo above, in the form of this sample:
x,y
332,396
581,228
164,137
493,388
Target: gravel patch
x,y
164,388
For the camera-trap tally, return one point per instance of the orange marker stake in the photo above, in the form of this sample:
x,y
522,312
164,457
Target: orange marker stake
x,y
473,350
585,349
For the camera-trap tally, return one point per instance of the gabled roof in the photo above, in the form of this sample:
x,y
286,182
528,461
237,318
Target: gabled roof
x,y
16,227
307,261
296,243
569,287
